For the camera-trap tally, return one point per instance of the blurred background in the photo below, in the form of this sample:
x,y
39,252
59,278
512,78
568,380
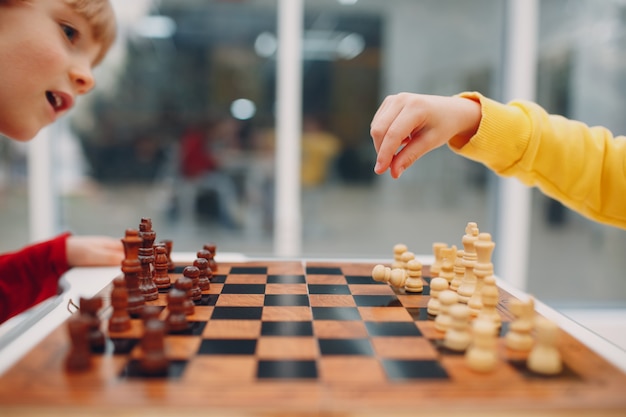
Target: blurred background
x,y
182,128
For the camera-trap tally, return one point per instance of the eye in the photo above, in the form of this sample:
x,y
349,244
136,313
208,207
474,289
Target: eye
x,y
69,32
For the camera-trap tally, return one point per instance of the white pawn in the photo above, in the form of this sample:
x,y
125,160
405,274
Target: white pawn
x,y
545,358
395,277
381,273
458,336
468,285
482,355
489,298
407,257
519,335
435,268
459,270
447,299
398,277
414,280
436,286
448,256
398,250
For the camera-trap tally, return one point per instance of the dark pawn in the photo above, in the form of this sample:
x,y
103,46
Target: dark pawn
x,y
79,356
211,247
169,245
205,274
150,313
176,318
120,319
185,284
193,273
206,254
161,275
89,308
154,360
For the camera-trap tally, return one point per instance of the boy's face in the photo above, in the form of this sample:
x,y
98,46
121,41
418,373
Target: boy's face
x,y
46,55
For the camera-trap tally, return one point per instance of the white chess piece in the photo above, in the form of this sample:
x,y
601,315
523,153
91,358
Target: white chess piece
x,y
458,336
482,354
544,358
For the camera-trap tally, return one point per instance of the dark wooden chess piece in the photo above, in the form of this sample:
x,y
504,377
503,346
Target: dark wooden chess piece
x,y
209,256
193,273
176,318
146,259
161,276
204,273
211,247
169,245
79,355
89,308
131,268
153,360
185,285
120,319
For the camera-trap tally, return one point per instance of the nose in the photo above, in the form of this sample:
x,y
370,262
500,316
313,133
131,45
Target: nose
x,y
82,78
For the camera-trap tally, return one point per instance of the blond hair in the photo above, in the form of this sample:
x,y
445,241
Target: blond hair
x,y
100,15
101,18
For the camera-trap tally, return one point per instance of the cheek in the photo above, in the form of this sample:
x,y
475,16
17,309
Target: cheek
x,y
38,56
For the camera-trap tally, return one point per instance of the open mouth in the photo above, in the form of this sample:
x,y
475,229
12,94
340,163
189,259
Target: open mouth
x,y
57,101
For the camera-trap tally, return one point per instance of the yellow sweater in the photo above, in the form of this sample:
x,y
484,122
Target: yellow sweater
x,y
582,167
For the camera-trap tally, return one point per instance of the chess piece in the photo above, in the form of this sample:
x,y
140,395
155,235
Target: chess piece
x,y
131,267
193,273
544,358
206,254
458,336
435,268
448,256
447,299
161,276
395,277
489,298
381,273
79,355
519,336
436,286
407,257
482,355
185,285
169,245
89,308
211,247
146,259
153,360
176,317
459,271
398,250
204,273
483,267
120,319
398,277
414,282
468,285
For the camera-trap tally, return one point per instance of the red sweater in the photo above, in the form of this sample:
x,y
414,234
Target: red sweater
x,y
31,275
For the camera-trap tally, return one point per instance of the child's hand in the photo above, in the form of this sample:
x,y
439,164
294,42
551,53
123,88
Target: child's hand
x,y
407,126
94,251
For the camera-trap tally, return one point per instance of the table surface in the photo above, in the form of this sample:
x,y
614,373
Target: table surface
x,y
21,334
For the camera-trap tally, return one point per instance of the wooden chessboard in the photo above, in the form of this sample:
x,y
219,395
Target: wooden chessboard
x,y
296,337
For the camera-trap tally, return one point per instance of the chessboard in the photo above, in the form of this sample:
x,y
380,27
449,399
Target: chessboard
x,y
298,337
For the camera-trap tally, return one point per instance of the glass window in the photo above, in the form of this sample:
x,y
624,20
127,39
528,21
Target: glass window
x,y
181,129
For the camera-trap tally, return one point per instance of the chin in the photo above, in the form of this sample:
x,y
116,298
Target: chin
x,y
21,135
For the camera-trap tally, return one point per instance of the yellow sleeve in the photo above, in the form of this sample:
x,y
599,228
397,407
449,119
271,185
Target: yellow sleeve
x,y
583,167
